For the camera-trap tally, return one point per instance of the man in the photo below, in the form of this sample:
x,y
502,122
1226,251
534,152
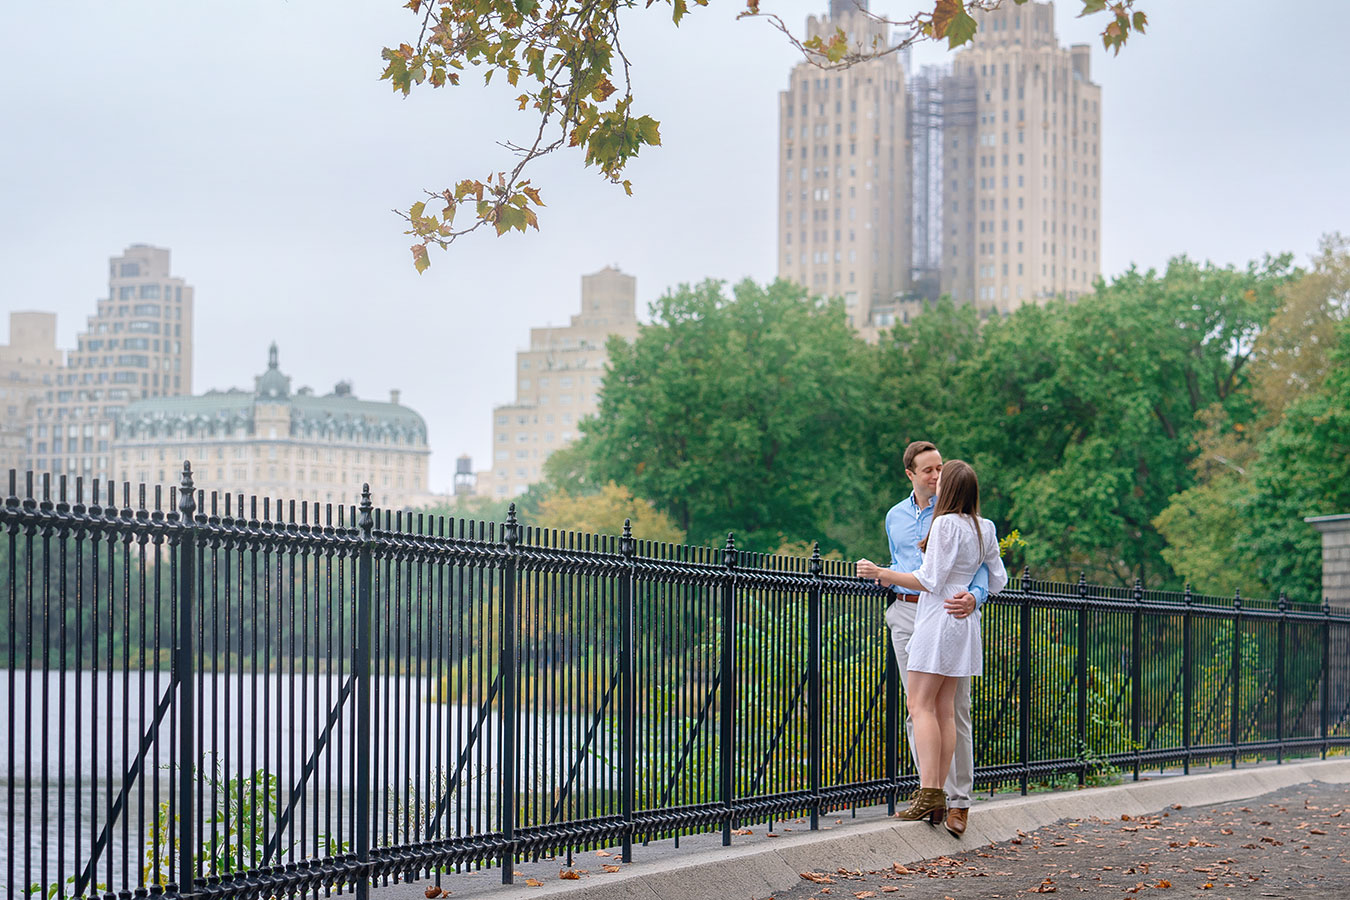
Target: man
x,y
907,524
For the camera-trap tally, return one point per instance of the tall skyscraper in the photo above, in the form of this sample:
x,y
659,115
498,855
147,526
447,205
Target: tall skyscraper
x,y
138,344
558,383
843,176
1021,211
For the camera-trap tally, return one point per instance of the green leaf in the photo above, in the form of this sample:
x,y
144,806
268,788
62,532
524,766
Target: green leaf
x,y
961,29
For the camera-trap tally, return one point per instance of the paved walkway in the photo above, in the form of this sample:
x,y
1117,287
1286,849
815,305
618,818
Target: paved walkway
x,y
1260,831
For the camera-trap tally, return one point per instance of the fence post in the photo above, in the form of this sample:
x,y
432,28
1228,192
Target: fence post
x,y
894,721
506,799
1137,674
361,659
1082,675
1187,680
1326,674
182,661
726,749
1235,673
814,664
1281,632
1024,691
627,696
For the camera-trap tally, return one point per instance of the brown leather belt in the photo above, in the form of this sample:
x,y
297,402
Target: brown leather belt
x,y
907,598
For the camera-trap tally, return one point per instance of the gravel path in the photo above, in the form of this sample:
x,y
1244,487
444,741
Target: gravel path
x,y
1291,843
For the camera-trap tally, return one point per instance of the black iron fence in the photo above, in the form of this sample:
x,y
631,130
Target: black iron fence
x,y
208,697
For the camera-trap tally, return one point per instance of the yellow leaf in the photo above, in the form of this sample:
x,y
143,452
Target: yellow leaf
x,y
533,882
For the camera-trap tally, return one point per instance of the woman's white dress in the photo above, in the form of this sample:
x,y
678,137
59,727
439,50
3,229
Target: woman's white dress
x,y
942,643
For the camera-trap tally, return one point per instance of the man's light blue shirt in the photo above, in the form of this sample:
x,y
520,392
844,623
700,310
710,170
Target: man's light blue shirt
x,y
906,525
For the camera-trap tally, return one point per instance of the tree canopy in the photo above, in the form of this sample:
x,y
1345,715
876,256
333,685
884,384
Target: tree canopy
x,y
1124,435
566,56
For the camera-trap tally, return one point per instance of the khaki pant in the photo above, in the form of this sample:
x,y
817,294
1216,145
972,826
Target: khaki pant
x,y
961,779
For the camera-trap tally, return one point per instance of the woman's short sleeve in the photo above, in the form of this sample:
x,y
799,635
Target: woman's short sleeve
x,y
940,556
998,575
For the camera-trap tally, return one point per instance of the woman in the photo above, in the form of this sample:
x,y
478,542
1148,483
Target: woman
x,y
944,648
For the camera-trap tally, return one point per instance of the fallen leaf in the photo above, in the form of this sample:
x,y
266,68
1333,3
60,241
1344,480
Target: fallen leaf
x,y
863,895
741,831
889,889
533,882
609,868
772,834
432,892
817,877
569,874
1163,884
899,869
1316,831
603,853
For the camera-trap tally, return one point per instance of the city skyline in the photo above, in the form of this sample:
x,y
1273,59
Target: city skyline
x,y
274,192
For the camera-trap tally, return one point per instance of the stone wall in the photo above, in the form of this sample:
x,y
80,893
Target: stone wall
x,y
1335,558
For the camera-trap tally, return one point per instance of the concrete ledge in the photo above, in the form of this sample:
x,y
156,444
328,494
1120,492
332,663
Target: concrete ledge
x,y
758,870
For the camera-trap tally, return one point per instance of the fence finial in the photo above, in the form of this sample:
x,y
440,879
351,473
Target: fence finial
x,y
1138,590
627,545
366,522
187,494
1237,598
1187,594
1284,602
511,530
729,551
816,565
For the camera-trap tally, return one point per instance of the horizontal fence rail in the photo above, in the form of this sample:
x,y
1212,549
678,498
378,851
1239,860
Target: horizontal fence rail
x,y
219,696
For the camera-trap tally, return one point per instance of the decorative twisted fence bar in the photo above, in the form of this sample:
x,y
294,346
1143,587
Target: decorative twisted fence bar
x,y
211,697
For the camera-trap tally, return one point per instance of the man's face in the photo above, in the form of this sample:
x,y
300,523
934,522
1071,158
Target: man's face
x,y
924,475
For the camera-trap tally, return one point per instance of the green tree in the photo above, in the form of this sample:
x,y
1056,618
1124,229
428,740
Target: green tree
x,y
740,412
1088,411
605,511
1290,358
1303,469
565,56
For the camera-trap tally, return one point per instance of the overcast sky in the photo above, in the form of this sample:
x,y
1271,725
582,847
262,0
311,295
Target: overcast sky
x,y
254,139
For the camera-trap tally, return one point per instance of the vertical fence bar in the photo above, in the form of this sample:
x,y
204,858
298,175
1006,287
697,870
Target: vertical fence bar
x,y
1024,693
507,638
1281,634
628,696
815,721
1137,674
1326,674
1235,674
1080,674
182,660
727,750
894,721
361,653
1187,680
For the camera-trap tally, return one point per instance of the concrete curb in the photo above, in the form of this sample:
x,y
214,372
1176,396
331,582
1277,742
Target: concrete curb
x,y
758,870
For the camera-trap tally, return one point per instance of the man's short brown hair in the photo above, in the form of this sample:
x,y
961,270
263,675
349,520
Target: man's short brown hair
x,y
914,449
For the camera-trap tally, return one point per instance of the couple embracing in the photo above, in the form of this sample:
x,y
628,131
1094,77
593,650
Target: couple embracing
x,y
944,564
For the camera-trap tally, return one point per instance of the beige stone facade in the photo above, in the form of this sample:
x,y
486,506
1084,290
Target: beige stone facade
x,y
1335,559
1022,186
29,364
558,383
277,443
138,344
843,176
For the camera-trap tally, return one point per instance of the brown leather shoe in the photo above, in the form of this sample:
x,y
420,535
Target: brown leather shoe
x,y
957,819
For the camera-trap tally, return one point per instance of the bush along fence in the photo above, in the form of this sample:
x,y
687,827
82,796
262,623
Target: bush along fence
x,y
217,698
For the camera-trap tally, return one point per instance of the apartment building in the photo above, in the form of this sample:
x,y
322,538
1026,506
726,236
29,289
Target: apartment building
x,y
1022,164
558,383
843,175
29,365
278,442
137,345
